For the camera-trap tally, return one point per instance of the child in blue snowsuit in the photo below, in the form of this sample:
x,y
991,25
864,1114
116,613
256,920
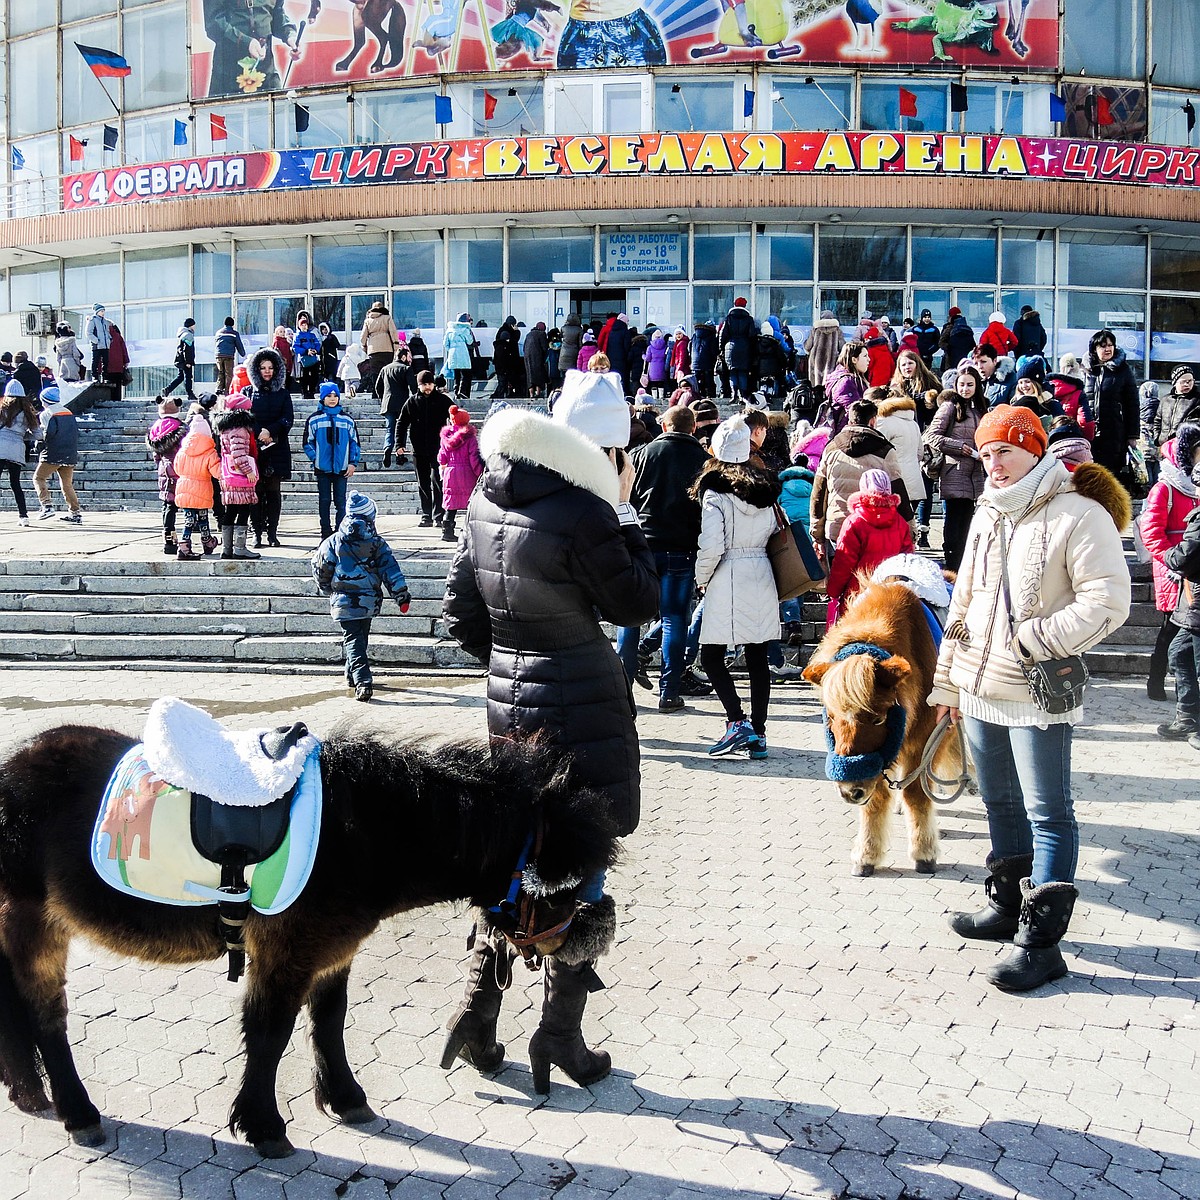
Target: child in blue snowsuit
x,y
352,568
331,444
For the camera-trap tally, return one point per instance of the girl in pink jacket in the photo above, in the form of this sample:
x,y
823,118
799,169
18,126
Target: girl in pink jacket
x,y
462,465
239,474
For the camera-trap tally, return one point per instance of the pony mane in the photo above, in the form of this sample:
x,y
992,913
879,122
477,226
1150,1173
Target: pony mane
x,y
849,685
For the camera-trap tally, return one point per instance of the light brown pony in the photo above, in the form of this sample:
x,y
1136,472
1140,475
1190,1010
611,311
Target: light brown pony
x,y
860,691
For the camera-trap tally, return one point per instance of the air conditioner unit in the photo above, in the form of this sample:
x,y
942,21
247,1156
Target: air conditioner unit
x,y
39,322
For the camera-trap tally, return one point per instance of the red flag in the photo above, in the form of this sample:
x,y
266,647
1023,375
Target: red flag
x,y
217,129
908,103
76,154
489,106
1103,111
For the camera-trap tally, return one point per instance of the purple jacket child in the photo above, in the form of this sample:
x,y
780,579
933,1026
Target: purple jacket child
x,y
655,358
163,439
460,460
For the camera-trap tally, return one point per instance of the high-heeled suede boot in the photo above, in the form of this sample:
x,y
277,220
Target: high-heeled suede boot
x,y
558,1040
471,1032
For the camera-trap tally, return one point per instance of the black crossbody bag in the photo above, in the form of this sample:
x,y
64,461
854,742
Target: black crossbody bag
x,y
1057,684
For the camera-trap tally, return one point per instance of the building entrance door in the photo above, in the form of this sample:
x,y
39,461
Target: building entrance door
x,y
595,304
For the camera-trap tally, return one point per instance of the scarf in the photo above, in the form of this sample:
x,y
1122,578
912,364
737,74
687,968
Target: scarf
x,y
1181,481
1015,500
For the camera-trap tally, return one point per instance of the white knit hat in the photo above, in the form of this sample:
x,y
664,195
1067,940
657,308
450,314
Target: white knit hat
x,y
593,403
731,441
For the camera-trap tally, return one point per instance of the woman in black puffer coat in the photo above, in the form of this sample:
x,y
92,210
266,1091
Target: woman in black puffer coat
x,y
1112,392
548,553
271,407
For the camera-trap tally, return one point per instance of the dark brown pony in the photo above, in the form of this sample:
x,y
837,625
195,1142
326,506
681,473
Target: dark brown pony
x,y
401,828
859,692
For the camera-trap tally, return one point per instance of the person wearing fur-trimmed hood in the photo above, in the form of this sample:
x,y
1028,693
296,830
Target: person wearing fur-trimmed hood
x,y
1043,578
239,474
550,548
271,404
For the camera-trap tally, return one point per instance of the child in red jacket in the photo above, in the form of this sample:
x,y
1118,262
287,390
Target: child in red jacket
x,y
873,531
998,335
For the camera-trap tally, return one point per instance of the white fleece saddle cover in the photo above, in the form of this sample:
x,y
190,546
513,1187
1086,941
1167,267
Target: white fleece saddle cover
x,y
191,750
142,841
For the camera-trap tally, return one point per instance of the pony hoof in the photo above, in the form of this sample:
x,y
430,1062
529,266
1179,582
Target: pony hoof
x,y
363,1114
89,1135
863,870
275,1148
926,866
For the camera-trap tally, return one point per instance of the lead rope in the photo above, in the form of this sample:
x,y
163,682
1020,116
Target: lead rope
x,y
935,787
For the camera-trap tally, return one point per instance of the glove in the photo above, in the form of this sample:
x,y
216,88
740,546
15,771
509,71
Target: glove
x,y
403,598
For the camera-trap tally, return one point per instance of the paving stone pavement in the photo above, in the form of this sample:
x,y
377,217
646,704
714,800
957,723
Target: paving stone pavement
x,y
778,1028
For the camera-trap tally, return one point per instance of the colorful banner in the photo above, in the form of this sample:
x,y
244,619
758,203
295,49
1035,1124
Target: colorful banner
x,y
242,47
706,154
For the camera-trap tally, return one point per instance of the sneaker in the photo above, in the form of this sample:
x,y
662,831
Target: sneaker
x,y
642,676
670,703
45,514
757,746
786,674
690,684
363,692
22,520
72,518
737,734
1179,729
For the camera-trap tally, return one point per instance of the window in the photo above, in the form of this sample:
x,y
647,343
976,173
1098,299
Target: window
x,y
1005,108
332,311
547,255
247,127
721,252
1102,259
1175,264
158,55
34,105
33,285
519,110
1168,118
786,252
476,256
1028,256
685,105
417,309
822,104
417,257
151,274
35,188
271,266
83,95
792,305
93,280
598,106
1107,37
483,304
24,17
76,10
862,252
405,116
212,267
1176,43
326,122
881,105
711,303
1124,314
942,254
350,260
1174,336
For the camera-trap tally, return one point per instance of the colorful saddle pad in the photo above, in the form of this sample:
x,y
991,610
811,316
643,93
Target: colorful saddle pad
x,y
142,843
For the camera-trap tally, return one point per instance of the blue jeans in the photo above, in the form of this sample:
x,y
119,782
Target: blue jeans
x,y
1025,778
354,645
739,382
330,487
389,442
676,582
1183,661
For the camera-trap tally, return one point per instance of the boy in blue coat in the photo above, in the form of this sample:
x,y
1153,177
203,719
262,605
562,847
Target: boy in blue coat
x,y
331,443
352,568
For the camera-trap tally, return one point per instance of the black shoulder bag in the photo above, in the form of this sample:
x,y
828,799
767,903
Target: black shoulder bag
x,y
1057,684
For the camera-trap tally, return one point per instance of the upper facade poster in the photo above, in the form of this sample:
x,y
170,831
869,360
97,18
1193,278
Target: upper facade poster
x,y
242,47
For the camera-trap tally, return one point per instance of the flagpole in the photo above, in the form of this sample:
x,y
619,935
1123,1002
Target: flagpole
x,y
111,101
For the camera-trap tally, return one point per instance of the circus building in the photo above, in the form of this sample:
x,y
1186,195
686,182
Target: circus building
x,y
249,158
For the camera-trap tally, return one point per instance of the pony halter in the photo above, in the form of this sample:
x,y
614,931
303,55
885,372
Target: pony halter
x,y
857,768
516,915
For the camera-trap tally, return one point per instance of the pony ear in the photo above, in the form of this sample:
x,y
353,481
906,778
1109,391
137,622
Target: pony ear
x,y
893,670
815,672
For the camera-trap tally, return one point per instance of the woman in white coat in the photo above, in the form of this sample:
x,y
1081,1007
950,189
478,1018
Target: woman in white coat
x,y
737,518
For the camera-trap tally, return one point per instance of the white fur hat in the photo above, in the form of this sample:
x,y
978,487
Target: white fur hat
x,y
593,403
731,441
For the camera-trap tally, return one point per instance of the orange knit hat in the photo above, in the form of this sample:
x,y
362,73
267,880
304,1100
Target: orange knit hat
x,y
1017,426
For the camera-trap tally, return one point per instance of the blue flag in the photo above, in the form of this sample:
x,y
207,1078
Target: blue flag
x,y
110,137
1058,109
181,133
18,160
443,110
748,102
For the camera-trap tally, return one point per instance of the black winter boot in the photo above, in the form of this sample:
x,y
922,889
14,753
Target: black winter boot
x,y
558,1040
1035,958
472,1030
997,922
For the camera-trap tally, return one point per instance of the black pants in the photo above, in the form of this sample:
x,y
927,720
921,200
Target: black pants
x,y
168,514
270,505
1158,657
462,382
237,514
99,362
429,485
185,377
954,531
14,482
310,379
712,662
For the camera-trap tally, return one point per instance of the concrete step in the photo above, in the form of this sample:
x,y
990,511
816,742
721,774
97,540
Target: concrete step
x,y
1113,659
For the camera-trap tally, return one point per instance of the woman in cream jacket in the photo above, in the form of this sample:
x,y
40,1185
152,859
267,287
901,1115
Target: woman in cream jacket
x,y
1069,589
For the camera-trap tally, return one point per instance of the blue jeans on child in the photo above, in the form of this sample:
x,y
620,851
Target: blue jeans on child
x,y
1025,779
330,487
354,644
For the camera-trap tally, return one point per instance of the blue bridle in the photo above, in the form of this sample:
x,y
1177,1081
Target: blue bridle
x,y
855,768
